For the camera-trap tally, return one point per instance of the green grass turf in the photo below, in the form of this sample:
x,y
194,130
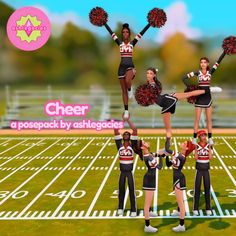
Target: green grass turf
x,y
91,182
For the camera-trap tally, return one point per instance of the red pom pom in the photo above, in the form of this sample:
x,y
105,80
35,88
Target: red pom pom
x,y
98,16
146,94
229,45
156,17
191,88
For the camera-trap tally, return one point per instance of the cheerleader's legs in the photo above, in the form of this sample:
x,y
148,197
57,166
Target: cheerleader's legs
x,y
167,123
194,93
209,119
129,75
180,201
124,93
147,203
198,111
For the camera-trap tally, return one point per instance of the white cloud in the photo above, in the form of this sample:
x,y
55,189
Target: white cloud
x,y
58,20
178,20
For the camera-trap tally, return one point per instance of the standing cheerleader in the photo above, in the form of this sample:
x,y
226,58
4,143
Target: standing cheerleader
x,y
203,155
126,144
149,180
126,72
204,101
179,182
150,93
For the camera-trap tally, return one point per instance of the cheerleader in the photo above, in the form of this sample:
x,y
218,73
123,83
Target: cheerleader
x,y
126,71
204,101
149,180
203,155
166,101
126,145
179,182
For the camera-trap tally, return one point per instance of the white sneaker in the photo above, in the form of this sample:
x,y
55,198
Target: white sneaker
x,y
153,214
195,212
216,89
133,214
208,212
120,212
175,213
179,228
130,93
150,229
211,142
194,141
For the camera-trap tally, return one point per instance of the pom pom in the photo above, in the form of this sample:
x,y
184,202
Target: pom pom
x,y
229,45
191,88
146,94
98,16
156,17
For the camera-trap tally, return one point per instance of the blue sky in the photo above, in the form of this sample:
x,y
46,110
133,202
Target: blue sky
x,y
199,18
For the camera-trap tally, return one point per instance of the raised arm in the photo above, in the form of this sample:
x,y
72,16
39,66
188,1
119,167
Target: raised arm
x,y
118,138
188,76
210,152
132,126
195,153
215,66
160,165
113,35
139,36
168,162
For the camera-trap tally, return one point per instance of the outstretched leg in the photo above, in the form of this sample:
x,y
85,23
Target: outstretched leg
x,y
189,94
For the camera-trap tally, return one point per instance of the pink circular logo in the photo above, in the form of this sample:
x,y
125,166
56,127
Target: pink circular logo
x,y
28,28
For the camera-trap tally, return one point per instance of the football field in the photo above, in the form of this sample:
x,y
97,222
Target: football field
x,y
68,185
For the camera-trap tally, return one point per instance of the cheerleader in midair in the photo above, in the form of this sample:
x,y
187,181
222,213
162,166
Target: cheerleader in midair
x,y
126,72
179,182
150,93
204,101
149,179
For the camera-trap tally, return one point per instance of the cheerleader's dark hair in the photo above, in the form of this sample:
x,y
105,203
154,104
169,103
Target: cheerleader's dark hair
x,y
157,82
206,59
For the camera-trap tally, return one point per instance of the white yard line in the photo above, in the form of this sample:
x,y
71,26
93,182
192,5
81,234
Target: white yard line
x,y
18,154
18,168
184,191
155,200
42,215
127,189
5,142
14,146
225,167
32,176
216,201
101,186
229,146
53,180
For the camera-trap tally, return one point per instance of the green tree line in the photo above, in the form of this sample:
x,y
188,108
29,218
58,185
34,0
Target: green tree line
x,y
79,58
